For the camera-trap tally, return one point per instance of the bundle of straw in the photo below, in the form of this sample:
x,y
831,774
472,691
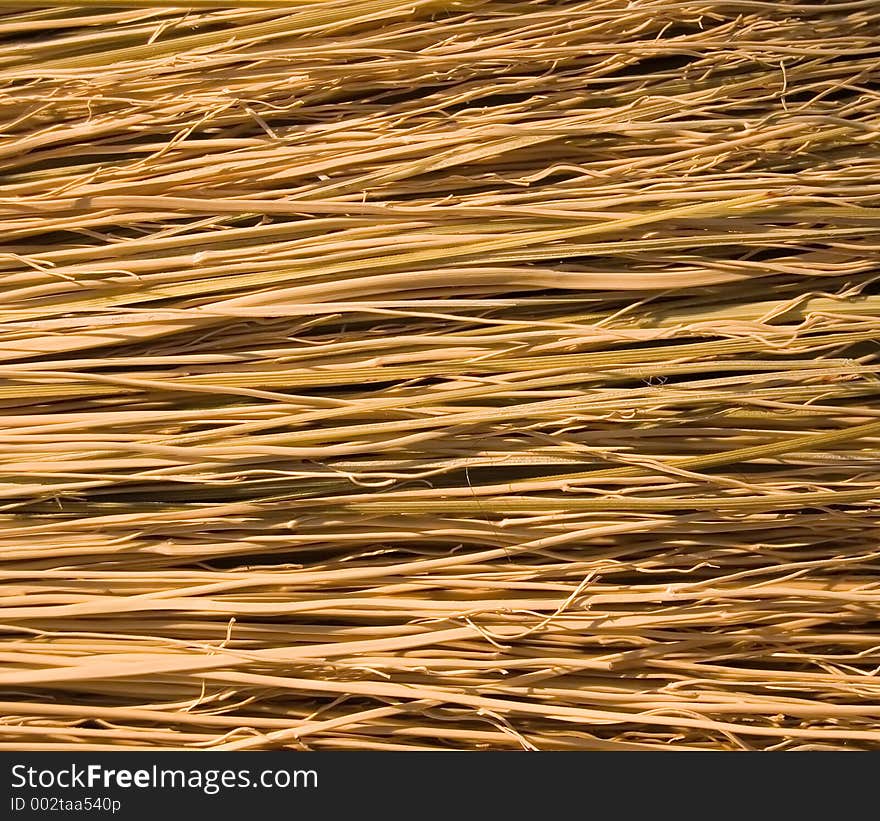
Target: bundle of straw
x,y
417,374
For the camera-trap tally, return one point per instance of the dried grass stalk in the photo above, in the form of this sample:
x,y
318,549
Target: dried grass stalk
x,y
440,374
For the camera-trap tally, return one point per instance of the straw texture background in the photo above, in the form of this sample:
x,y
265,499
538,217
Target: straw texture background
x,y
466,375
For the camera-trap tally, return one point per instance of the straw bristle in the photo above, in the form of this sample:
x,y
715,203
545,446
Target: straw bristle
x,y
413,375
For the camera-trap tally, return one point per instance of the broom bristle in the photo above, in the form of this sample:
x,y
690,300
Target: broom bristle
x,y
470,374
